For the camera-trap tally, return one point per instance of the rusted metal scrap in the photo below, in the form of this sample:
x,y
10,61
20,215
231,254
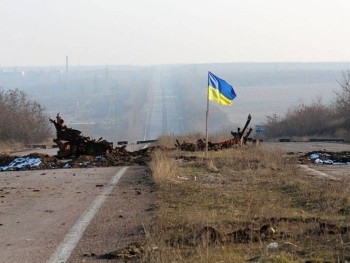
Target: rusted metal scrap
x,y
72,143
214,146
239,135
239,138
186,146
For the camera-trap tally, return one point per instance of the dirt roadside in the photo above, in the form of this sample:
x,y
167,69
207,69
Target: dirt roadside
x,y
122,220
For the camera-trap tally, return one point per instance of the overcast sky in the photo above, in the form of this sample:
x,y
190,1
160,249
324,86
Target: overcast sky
x,y
147,32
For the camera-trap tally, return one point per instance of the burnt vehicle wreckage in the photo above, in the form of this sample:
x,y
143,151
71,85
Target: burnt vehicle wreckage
x,y
72,143
78,151
241,137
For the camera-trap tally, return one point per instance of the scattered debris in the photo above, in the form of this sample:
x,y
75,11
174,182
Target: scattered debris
x,y
131,251
272,246
43,161
21,163
76,151
33,161
239,138
251,232
71,143
325,157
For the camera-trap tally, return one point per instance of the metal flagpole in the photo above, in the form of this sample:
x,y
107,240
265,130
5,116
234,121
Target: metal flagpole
x,y
206,124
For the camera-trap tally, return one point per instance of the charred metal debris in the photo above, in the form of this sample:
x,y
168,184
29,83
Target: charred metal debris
x,y
241,137
76,151
72,143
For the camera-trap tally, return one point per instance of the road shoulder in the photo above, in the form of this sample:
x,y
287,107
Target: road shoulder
x,y
121,219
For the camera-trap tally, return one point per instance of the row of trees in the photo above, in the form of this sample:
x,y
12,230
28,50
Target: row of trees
x,y
21,119
316,119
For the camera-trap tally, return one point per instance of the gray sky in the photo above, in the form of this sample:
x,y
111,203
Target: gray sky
x,y
146,32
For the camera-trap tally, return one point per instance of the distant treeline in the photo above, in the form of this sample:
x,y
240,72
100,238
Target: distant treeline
x,y
317,119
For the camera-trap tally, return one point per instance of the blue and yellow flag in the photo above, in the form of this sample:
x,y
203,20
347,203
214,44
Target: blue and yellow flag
x,y
219,90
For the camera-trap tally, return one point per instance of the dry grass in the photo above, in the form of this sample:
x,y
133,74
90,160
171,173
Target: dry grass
x,y
8,147
170,141
164,168
245,190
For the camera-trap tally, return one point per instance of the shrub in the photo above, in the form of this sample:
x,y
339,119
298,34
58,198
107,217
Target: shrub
x,y
304,120
21,119
342,102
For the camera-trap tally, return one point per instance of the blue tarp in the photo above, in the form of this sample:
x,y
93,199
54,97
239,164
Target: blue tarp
x,y
22,163
339,158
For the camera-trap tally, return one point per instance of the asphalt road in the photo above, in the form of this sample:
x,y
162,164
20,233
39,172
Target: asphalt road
x,y
38,209
304,147
60,215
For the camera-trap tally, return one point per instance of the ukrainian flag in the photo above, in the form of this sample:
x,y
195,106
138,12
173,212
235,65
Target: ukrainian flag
x,y
219,90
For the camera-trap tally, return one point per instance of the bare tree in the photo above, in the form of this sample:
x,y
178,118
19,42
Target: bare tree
x,y
21,119
342,103
303,120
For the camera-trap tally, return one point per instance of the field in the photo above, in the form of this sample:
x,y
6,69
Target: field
x,y
247,204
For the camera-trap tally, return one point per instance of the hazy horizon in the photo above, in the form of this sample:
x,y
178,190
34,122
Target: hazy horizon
x,y
120,100
246,65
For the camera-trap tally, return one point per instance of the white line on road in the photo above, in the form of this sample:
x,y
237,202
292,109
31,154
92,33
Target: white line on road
x,y
315,172
144,147
64,249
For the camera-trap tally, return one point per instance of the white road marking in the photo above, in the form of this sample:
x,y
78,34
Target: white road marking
x,y
66,247
144,147
315,172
